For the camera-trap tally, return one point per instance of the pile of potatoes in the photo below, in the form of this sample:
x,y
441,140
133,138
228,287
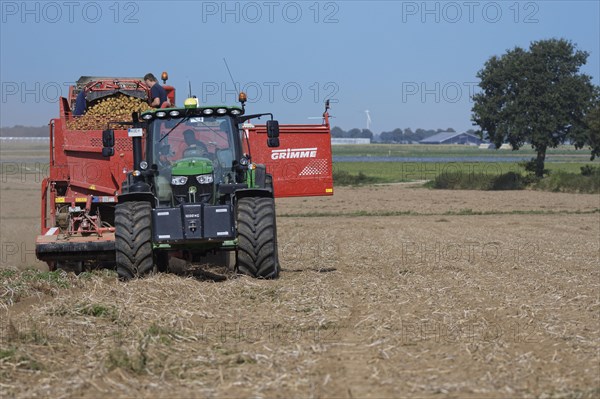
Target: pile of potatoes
x,y
110,109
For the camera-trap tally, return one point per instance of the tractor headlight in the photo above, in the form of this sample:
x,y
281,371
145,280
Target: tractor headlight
x,y
205,179
208,111
147,117
178,180
221,111
161,114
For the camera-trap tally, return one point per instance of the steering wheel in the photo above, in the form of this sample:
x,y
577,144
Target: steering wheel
x,y
196,150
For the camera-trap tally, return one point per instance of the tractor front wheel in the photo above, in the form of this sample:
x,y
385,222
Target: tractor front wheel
x,y
257,238
133,239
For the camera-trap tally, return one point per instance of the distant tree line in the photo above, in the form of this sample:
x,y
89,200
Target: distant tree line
x,y
24,131
355,133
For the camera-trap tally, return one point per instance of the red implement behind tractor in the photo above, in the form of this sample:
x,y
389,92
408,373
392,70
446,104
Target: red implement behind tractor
x,y
129,190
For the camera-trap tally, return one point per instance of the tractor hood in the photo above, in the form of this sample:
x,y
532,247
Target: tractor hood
x,y
192,167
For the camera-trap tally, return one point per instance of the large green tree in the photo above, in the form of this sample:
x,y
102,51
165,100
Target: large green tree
x,y
535,96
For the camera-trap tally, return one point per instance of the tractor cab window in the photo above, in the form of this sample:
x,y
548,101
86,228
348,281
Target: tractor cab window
x,y
195,140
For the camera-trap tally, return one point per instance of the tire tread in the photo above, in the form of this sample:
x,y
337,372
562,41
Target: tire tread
x,y
133,233
257,238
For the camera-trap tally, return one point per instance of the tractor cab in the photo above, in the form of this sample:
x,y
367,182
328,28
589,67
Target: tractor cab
x,y
191,154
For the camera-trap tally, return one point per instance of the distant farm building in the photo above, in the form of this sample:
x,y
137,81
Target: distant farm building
x,y
340,141
452,138
487,146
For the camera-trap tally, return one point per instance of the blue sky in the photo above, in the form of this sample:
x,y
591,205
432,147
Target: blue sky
x,y
410,63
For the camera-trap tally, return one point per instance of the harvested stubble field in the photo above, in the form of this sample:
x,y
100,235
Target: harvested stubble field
x,y
386,291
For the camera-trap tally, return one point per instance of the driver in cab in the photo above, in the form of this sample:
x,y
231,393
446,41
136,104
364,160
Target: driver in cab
x,y
193,146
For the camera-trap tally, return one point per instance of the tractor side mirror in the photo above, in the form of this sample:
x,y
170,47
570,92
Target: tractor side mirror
x,y
272,129
273,133
108,138
108,142
273,142
108,152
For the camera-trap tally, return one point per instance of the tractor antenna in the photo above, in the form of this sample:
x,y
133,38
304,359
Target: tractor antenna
x,y
190,84
231,76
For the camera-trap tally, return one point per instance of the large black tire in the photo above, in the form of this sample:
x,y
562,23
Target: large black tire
x,y
133,239
257,238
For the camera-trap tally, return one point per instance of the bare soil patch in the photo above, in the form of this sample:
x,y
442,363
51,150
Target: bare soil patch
x,y
400,198
383,307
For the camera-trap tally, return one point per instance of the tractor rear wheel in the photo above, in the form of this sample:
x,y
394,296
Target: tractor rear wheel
x,y
257,238
133,239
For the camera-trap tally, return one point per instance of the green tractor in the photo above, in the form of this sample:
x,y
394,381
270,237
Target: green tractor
x,y
193,191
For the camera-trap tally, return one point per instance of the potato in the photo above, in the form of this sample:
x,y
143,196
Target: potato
x,y
117,108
